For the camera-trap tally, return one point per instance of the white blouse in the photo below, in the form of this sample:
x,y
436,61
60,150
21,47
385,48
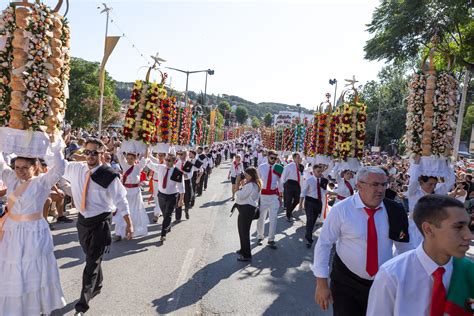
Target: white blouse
x,y
35,195
249,194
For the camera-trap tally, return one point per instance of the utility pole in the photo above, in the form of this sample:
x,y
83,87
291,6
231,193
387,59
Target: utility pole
x,y
101,102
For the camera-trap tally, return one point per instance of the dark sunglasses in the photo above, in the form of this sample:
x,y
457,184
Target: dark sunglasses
x,y
88,152
272,157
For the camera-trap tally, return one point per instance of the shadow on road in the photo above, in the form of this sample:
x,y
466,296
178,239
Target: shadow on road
x,y
215,203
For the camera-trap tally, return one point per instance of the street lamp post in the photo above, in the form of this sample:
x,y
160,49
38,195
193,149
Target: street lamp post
x,y
207,71
334,82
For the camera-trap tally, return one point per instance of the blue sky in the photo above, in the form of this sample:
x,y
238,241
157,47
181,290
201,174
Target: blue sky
x,y
279,51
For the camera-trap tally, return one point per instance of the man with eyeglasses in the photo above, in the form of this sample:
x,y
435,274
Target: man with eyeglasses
x,y
364,227
170,186
97,192
270,198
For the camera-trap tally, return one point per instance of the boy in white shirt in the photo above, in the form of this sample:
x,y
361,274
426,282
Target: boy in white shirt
x,y
428,281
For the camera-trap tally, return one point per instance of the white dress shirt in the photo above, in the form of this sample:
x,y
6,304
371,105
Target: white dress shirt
x,y
249,194
346,225
342,189
415,192
263,174
98,199
172,187
180,165
235,171
310,188
291,173
404,284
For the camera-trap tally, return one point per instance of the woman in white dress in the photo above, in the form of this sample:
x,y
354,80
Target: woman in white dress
x,y
345,185
29,275
132,169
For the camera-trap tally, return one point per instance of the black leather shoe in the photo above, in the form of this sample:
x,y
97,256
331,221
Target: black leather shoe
x,y
259,241
242,258
63,219
272,244
186,213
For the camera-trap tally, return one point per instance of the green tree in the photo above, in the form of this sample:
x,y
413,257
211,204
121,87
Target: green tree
x,y
389,93
82,106
255,122
402,29
224,107
268,119
467,123
241,114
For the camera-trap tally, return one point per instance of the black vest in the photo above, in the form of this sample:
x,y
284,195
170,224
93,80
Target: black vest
x,y
104,176
397,221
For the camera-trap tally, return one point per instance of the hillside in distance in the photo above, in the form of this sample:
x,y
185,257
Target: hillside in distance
x,y
123,90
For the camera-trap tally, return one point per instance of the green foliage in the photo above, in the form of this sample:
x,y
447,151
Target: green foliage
x,y
467,123
83,104
389,92
401,29
268,119
255,122
241,114
224,107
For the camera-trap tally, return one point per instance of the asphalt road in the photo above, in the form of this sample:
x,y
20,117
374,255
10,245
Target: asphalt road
x,y
196,272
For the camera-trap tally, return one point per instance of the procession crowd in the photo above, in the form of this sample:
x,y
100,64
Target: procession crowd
x,y
386,228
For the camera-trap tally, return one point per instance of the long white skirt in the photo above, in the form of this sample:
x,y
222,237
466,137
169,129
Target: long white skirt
x,y
29,275
138,215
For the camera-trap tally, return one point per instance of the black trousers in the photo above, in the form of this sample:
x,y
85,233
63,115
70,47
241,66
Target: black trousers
x,y
312,208
255,160
194,187
167,204
292,196
206,177
349,291
245,164
200,184
187,200
95,239
244,221
226,154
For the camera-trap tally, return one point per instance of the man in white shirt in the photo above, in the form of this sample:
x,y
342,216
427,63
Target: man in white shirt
x,y
270,198
182,165
314,196
292,180
170,185
416,282
97,192
364,227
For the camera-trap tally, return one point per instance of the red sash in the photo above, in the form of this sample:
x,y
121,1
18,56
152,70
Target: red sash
x,y
126,174
349,186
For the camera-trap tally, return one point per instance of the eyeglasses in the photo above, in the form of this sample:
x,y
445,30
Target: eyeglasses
x,y
272,157
88,152
376,184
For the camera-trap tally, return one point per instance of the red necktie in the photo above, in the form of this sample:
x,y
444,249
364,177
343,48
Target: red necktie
x,y
297,172
372,260
438,296
269,178
165,179
319,190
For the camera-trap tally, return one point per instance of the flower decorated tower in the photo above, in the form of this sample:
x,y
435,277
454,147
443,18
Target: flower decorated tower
x,y
325,133
431,118
34,69
350,131
142,115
